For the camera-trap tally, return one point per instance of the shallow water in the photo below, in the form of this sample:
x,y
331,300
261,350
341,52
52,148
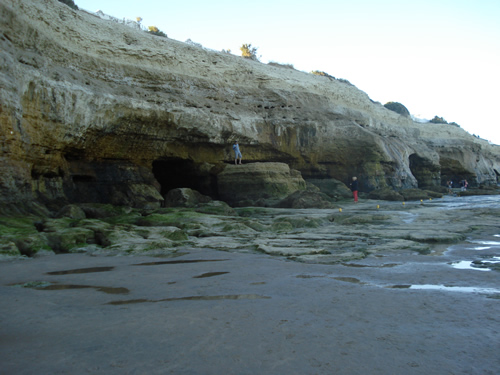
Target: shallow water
x,y
467,265
476,201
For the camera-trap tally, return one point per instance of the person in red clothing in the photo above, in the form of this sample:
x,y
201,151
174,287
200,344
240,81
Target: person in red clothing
x,y
354,189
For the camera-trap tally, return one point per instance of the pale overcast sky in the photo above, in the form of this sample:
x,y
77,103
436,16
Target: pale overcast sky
x,y
436,57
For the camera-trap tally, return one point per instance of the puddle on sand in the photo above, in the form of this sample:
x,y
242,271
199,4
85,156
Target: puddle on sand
x,y
42,285
308,276
192,298
463,289
81,270
179,262
489,243
349,280
467,265
388,265
209,274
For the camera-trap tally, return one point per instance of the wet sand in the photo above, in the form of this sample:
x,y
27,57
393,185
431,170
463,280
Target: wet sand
x,y
212,312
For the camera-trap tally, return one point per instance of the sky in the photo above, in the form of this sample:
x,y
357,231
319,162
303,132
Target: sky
x,y
436,57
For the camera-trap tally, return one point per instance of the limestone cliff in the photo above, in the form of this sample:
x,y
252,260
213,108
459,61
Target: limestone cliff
x,y
95,111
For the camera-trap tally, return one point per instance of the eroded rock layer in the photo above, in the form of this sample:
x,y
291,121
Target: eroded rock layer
x,y
95,111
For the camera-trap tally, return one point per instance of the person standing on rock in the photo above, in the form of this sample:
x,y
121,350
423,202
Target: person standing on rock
x,y
463,185
237,153
450,186
354,189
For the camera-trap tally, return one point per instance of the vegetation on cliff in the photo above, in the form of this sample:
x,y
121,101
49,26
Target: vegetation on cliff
x,y
155,31
398,108
249,52
69,3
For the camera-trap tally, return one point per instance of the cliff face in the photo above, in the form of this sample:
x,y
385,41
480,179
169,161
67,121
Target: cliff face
x,y
95,111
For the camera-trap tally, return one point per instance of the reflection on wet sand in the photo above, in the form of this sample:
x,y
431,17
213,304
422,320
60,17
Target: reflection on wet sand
x,y
81,270
192,298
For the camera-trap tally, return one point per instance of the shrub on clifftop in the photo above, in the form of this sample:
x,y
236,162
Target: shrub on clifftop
x,y
438,120
156,31
69,3
398,108
320,73
249,52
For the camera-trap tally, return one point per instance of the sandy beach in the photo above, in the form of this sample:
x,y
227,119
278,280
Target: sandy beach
x,y
213,312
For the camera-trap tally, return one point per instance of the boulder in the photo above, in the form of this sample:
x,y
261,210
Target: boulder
x,y
335,189
217,208
185,197
238,184
72,211
386,195
414,194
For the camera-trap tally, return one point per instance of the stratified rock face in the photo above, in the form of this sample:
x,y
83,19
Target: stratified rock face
x,y
246,184
96,111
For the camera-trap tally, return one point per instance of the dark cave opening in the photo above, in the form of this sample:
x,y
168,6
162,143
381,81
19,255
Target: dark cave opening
x,y
426,172
174,173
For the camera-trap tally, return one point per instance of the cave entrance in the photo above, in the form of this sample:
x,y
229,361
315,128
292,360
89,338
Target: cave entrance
x,y
453,170
425,171
175,173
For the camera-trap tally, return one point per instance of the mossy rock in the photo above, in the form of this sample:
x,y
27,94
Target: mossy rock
x,y
386,194
116,235
282,226
17,226
63,240
437,189
9,249
216,208
333,188
300,222
99,211
171,233
434,194
94,224
236,227
179,219
255,225
128,218
56,225
71,211
436,237
251,211
414,194
20,236
33,244
470,192
185,197
362,219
